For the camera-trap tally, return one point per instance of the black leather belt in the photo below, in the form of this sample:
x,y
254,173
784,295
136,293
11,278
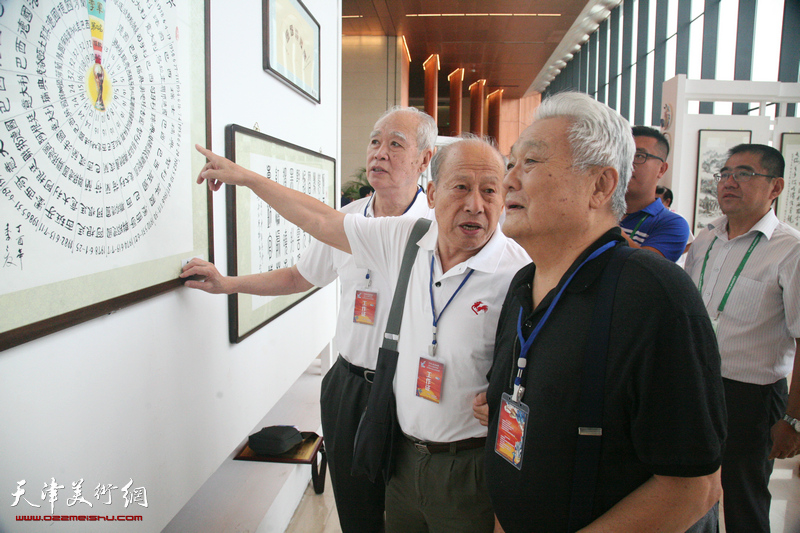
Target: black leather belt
x,y
443,447
358,371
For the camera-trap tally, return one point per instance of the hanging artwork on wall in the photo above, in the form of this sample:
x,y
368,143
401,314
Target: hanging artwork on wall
x,y
712,153
789,200
291,45
101,102
259,239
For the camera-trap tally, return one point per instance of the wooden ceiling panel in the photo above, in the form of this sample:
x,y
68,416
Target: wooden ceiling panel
x,y
507,51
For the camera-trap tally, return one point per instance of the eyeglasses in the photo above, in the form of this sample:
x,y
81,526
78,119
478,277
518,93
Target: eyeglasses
x,y
641,157
740,176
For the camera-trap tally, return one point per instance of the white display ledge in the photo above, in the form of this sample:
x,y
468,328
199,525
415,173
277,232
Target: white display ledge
x,y
240,494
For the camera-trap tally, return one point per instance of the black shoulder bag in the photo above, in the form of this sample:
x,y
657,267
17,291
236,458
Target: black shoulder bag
x,y
378,430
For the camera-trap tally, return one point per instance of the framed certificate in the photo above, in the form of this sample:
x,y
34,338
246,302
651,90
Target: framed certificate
x,y
291,45
259,239
101,103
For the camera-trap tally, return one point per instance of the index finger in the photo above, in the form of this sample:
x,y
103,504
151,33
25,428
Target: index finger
x,y
203,150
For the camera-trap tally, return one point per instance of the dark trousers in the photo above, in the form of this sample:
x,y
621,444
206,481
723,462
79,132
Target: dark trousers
x,y
359,502
752,411
440,493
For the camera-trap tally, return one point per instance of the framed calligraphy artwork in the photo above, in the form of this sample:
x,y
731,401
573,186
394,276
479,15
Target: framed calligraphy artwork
x,y
291,45
712,152
259,239
101,102
788,208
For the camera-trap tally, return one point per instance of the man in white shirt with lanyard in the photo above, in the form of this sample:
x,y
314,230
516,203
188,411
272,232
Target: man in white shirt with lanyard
x,y
455,292
747,267
399,150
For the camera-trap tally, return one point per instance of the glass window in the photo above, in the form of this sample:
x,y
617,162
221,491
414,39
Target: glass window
x,y
726,39
766,49
695,46
648,93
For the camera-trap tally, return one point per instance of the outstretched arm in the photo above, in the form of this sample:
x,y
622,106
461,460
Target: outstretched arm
x,y
273,283
308,213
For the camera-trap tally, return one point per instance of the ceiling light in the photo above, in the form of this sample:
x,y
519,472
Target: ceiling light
x,y
483,14
405,47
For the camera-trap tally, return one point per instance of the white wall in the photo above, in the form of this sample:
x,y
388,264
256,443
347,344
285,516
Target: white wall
x,y
372,82
155,392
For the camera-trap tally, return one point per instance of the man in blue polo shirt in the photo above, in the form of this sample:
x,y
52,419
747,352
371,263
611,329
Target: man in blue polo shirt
x,y
647,223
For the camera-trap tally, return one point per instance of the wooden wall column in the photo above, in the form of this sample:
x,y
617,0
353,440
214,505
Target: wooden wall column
x,y
431,67
476,107
456,79
495,103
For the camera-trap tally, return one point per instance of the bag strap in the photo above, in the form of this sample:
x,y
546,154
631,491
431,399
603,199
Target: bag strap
x,y
392,333
590,419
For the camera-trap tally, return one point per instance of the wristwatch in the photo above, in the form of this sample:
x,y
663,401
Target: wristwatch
x,y
795,423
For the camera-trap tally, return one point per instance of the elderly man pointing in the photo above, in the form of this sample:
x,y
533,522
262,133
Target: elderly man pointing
x,y
400,147
452,306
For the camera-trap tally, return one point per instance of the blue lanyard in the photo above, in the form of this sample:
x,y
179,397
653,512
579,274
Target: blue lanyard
x,y
432,347
419,190
526,343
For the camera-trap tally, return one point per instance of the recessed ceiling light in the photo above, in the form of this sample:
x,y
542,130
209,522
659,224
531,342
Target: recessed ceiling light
x,y
483,14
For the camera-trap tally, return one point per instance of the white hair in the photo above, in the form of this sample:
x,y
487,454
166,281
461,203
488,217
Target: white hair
x,y
598,136
427,130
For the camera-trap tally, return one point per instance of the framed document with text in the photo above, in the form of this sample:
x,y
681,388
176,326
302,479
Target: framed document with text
x,y
101,103
291,45
712,152
789,201
259,239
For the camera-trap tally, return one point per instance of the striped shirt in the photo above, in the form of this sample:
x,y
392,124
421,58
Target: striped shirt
x,y
759,325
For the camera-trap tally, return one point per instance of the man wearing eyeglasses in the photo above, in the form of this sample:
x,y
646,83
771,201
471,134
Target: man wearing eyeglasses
x,y
647,223
747,267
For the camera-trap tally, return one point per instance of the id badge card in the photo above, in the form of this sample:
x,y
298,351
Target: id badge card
x,y
715,323
364,311
429,379
511,430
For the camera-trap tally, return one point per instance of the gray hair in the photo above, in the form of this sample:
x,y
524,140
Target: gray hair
x,y
598,136
443,152
427,130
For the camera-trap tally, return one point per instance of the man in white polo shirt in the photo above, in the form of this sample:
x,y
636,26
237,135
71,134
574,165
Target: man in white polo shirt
x,y
399,150
455,294
747,267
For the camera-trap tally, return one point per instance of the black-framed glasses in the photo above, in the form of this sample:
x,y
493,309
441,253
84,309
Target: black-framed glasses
x,y
642,157
739,176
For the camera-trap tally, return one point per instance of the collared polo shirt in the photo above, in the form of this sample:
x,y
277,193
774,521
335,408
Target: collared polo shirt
x,y
664,412
757,328
663,230
321,264
466,328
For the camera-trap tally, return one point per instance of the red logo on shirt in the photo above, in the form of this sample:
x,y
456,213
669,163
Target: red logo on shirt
x,y
479,307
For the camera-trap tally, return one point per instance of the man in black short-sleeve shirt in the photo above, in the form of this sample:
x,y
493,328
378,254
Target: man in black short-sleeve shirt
x,y
663,412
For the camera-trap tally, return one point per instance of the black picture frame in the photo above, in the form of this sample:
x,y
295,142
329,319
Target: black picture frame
x,y
314,174
291,37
